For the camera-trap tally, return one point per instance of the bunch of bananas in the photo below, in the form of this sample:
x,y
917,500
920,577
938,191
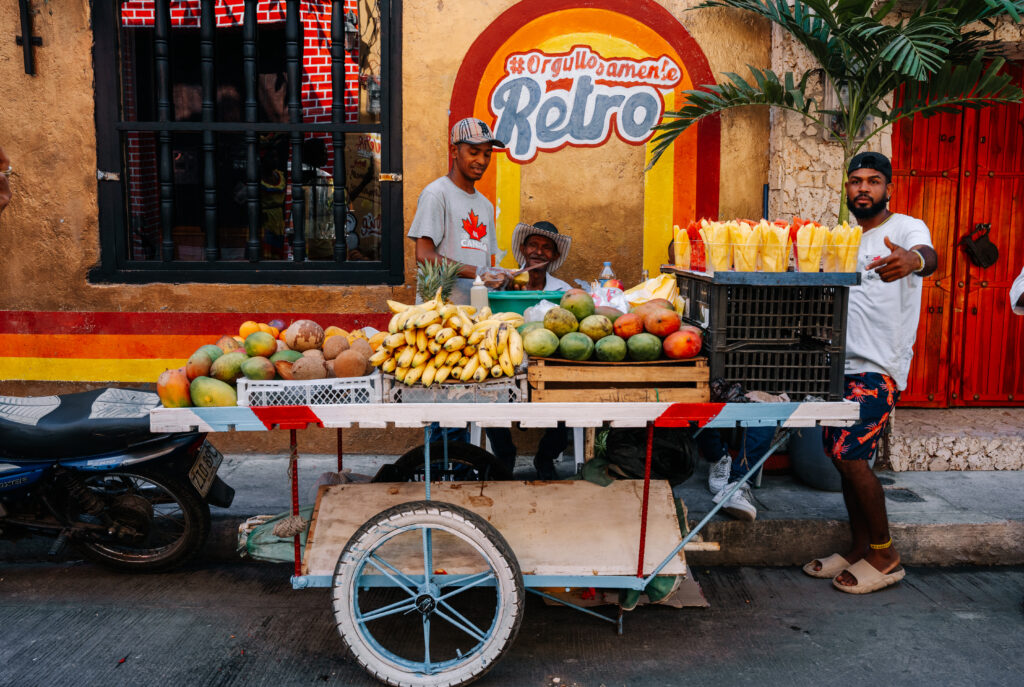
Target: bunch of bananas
x,y
437,342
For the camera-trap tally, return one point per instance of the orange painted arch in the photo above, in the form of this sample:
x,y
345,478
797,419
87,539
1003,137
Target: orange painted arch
x,y
681,187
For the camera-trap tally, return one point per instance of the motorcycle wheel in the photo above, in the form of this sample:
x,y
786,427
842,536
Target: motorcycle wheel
x,y
167,520
466,463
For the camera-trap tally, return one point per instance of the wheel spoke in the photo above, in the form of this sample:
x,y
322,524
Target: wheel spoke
x,y
428,668
428,554
377,562
472,630
468,583
398,607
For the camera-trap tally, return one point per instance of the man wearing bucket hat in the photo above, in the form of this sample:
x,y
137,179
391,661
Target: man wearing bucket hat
x,y
540,248
455,221
895,253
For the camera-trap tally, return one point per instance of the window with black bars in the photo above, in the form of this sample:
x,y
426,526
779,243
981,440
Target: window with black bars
x,y
244,141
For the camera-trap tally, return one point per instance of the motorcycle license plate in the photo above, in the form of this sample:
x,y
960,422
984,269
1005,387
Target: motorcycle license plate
x,y
204,470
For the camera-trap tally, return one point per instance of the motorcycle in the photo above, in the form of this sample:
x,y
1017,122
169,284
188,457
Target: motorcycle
x,y
84,468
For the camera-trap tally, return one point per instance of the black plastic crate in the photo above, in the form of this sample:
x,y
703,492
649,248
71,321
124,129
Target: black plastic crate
x,y
798,373
773,332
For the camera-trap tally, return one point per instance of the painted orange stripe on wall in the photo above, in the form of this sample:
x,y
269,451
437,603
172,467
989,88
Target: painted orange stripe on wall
x,y
101,345
85,369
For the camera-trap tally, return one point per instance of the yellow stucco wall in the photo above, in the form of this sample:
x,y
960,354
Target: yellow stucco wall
x,y
47,127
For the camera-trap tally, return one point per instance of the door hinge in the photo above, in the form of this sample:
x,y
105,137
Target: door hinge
x,y
107,176
390,176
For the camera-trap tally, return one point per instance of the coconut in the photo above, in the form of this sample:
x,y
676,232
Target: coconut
x,y
308,367
303,335
335,345
313,353
363,346
350,363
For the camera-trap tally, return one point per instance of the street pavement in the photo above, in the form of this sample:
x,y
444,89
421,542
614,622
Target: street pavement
x,y
241,624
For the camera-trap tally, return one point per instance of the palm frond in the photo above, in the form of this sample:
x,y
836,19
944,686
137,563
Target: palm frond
x,y
767,88
915,48
975,85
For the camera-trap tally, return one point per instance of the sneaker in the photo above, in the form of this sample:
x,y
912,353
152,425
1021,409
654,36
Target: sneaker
x,y
740,505
718,477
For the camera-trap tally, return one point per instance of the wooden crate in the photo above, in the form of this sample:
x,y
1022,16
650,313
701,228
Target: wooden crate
x,y
566,381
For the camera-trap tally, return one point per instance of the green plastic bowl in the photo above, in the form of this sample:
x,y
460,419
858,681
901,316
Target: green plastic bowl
x,y
519,301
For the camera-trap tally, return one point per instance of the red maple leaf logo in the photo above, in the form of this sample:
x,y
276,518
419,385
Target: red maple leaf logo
x,y
473,228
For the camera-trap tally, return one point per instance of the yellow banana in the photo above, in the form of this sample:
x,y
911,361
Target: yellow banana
x,y
403,317
433,347
389,365
448,310
481,374
467,310
456,373
476,337
466,324
405,359
442,374
397,307
394,341
433,329
414,316
490,342
502,339
410,337
496,371
469,350
413,375
456,343
469,369
485,358
421,339
444,335
428,318
420,357
428,375
486,324
513,318
400,373
485,313
463,360
515,348
393,323
506,364
378,358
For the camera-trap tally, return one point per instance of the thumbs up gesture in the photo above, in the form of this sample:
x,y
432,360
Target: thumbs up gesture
x,y
898,264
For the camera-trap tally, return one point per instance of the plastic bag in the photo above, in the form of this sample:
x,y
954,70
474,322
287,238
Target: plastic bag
x,y
611,297
535,313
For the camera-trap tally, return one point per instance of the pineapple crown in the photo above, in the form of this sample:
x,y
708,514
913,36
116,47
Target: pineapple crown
x,y
432,275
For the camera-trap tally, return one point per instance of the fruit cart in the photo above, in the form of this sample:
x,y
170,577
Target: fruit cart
x,y
428,580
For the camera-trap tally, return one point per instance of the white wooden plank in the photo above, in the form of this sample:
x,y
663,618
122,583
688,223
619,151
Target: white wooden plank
x,y
554,528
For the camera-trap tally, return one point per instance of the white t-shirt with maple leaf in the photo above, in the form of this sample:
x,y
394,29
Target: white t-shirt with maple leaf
x,y
460,224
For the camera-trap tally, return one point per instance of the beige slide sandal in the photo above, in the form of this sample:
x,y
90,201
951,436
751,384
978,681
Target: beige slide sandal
x,y
869,579
830,567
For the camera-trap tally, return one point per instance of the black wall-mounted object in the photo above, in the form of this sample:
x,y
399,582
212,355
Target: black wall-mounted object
x,y
26,40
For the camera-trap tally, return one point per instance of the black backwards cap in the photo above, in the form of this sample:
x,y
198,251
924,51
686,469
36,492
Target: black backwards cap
x,y
869,160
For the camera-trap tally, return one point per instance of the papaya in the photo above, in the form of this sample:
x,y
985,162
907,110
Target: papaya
x,y
172,386
207,392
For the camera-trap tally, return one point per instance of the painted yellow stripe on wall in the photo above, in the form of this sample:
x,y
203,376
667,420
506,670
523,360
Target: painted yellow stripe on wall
x,y
508,186
85,369
659,197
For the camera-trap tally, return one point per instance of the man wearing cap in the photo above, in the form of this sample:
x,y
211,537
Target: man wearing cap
x,y
895,254
455,221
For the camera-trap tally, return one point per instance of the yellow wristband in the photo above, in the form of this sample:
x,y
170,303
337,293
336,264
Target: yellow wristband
x,y
919,255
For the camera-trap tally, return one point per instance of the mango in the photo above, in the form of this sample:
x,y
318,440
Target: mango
x,y
213,351
173,388
207,392
578,302
287,355
260,344
576,346
198,364
258,367
228,367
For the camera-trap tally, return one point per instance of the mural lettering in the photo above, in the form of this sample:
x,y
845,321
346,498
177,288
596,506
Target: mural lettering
x,y
548,100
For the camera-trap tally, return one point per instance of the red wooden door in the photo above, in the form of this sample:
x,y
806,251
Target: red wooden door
x,y
955,171
992,369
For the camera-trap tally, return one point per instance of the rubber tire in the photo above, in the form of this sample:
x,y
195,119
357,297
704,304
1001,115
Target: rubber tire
x,y
503,562
484,462
194,511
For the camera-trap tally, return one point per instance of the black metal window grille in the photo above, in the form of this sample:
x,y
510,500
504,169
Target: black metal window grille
x,y
242,141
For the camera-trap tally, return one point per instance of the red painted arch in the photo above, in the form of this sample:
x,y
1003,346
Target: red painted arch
x,y
648,13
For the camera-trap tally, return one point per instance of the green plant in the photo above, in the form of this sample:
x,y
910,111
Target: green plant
x,y
936,57
434,275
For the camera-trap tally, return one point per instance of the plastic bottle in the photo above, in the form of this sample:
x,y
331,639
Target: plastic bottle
x,y
478,294
606,274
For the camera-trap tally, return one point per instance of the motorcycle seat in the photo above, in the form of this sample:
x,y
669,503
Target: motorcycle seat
x,y
73,425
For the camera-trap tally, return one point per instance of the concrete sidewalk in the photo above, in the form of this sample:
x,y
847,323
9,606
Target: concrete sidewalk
x,y
937,518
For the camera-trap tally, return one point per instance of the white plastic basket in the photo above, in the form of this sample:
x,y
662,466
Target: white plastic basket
x,y
500,390
310,392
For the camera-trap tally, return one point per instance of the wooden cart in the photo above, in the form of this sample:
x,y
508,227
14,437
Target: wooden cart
x,y
428,580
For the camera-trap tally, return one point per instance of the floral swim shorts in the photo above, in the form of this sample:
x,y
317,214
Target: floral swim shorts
x,y
877,395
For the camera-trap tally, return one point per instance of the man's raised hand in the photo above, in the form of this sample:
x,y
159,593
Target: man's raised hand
x,y
898,264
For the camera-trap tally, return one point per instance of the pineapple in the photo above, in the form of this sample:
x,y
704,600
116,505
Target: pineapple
x,y
431,276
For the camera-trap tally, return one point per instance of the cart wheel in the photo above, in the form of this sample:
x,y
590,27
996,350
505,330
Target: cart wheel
x,y
446,627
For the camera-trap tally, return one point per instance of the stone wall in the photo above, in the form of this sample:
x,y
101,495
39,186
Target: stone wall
x,y
957,439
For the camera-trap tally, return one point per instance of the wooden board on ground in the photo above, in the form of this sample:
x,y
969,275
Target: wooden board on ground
x,y
554,528
562,381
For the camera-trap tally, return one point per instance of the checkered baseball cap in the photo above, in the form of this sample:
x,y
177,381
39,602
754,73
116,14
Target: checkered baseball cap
x,y
473,130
